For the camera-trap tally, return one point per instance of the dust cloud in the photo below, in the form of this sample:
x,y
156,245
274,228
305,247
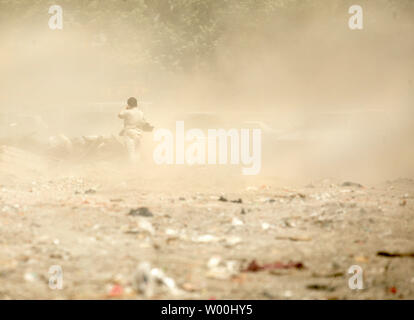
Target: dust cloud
x,y
336,186
332,102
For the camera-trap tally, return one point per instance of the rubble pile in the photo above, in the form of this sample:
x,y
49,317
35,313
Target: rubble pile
x,y
78,148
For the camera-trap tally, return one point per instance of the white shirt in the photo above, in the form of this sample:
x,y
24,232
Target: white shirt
x,y
133,118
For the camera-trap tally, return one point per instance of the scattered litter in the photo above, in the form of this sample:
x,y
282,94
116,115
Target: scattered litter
x,y
146,226
128,230
206,238
395,254
320,287
189,287
290,195
143,226
150,281
287,224
324,196
231,241
142,211
119,279
213,262
173,235
393,290
268,295
30,276
351,184
255,267
237,222
293,238
115,290
221,270
265,226
328,275
171,232
223,199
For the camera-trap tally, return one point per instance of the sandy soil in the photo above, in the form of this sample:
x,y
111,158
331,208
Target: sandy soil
x,y
77,217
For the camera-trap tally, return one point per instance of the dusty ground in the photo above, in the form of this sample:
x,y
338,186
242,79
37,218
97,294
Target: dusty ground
x,y
77,217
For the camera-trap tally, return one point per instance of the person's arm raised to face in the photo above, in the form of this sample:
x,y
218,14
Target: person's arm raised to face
x,y
121,114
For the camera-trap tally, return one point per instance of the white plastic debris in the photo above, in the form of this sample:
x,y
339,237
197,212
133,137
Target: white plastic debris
x,y
150,281
221,270
30,276
206,238
146,226
265,226
171,232
231,241
236,222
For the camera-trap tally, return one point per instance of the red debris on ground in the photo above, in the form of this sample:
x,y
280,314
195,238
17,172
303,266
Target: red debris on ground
x,y
393,290
116,291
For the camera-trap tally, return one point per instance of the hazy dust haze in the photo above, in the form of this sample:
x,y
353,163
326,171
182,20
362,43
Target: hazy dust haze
x,y
336,186
339,102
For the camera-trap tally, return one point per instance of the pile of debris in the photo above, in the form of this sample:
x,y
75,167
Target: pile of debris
x,y
97,146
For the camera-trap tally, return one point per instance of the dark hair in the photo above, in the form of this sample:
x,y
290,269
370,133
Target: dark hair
x,y
132,102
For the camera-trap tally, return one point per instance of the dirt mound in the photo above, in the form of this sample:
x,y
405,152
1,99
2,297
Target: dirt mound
x,y
17,164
